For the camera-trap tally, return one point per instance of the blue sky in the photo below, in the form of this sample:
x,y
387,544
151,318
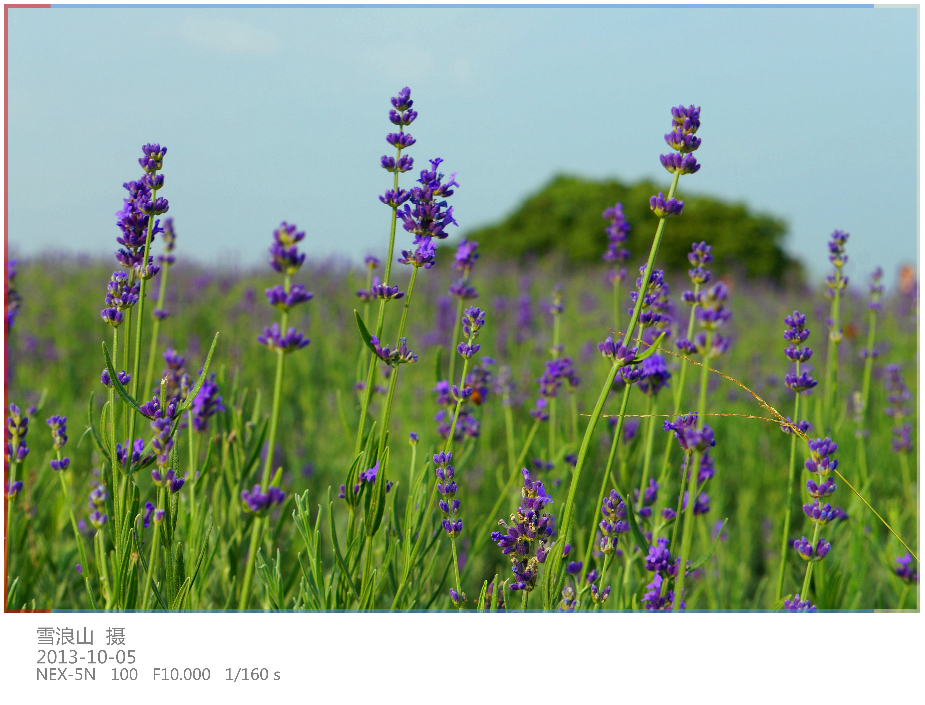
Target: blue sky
x,y
274,114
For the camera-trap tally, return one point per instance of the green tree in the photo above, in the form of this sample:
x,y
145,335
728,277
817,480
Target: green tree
x,y
565,216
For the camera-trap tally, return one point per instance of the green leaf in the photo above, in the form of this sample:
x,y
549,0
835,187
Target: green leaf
x,y
697,564
205,464
651,351
202,551
438,360
364,333
92,429
345,573
257,445
202,378
377,497
181,594
496,591
352,474
480,605
144,565
120,389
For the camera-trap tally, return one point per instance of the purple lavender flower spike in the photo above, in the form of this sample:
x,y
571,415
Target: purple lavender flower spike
x,y
401,165
273,338
800,384
906,570
466,350
278,297
262,503
466,255
682,141
430,217
525,541
58,425
385,292
619,354
393,199
689,436
206,404
796,605
424,256
681,164
11,491
401,140
13,297
463,290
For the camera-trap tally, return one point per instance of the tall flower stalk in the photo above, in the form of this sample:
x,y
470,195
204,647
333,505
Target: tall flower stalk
x,y
473,321
897,396
159,313
701,254
835,282
822,465
682,138
617,232
280,339
796,334
464,261
401,115
869,354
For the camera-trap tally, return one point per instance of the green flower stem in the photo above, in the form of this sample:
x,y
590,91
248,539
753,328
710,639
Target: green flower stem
x,y
456,324
907,481
629,557
586,563
902,596
152,560
566,525
136,362
152,353
787,512
616,303
831,364
574,404
688,533
191,474
124,409
456,571
369,286
509,427
650,437
804,595
268,465
393,378
678,396
608,561
869,360
251,562
449,440
371,373
523,600
367,569
554,350
103,569
80,544
677,521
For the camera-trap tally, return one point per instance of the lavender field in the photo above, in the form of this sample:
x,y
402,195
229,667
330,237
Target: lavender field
x,y
436,430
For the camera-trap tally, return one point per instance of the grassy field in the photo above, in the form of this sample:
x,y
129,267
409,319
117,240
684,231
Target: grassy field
x,y
55,361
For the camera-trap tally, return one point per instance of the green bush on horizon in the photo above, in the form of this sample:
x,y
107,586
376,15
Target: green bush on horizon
x,y
565,216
